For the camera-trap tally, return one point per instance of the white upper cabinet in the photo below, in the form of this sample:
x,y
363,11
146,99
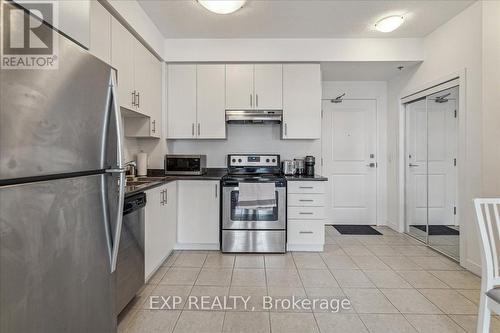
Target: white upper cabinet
x,y
268,87
251,87
181,100
239,87
122,59
100,32
211,115
301,101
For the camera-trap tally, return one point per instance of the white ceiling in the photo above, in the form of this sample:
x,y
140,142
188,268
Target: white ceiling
x,y
299,18
363,71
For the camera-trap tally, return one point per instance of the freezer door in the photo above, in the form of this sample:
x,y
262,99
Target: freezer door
x,y
55,257
55,121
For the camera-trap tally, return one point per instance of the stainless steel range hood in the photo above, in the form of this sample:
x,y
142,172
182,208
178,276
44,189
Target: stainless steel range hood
x,y
253,116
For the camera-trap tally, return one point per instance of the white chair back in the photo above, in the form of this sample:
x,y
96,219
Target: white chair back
x,y
488,220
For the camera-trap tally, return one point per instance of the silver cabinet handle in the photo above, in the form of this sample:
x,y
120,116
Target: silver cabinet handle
x,y
305,232
133,98
306,213
154,126
306,200
199,130
161,198
306,187
166,196
192,129
256,100
216,192
371,165
138,99
411,165
286,129
251,100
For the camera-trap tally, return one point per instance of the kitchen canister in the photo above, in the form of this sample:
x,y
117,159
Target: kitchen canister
x,y
142,164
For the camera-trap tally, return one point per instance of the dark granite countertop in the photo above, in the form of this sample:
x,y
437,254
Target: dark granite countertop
x,y
157,179
306,178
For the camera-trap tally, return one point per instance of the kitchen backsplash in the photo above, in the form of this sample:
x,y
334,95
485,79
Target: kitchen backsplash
x,y
265,138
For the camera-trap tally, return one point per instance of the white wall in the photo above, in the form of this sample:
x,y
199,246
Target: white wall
x,y
453,47
491,98
248,138
283,50
376,90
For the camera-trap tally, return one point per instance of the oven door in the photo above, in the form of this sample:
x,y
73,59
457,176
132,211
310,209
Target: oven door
x,y
234,217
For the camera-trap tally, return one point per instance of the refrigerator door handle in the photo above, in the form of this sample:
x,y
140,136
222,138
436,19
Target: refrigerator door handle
x,y
120,170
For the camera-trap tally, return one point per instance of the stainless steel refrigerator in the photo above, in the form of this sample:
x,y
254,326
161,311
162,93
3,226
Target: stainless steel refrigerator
x,y
61,195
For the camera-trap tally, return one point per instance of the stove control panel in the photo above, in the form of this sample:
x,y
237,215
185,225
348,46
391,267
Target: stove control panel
x,y
253,160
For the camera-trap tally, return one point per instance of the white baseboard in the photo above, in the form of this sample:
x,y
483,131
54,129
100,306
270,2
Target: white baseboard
x,y
157,267
472,267
305,247
197,246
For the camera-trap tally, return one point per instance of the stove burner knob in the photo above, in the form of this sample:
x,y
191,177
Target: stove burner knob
x,y
274,160
233,160
267,160
239,160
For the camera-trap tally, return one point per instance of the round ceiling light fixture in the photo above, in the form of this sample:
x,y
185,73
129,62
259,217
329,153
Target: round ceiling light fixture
x,y
389,23
222,6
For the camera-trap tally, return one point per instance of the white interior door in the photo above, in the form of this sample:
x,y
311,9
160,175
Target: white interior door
x,y
350,161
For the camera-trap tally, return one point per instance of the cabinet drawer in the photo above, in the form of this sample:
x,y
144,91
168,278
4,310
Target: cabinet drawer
x,y
306,187
306,213
306,200
306,232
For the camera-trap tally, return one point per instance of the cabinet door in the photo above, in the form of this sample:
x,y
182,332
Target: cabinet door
x,y
156,88
268,87
153,247
170,217
122,59
142,72
181,100
211,102
198,215
239,87
100,32
301,101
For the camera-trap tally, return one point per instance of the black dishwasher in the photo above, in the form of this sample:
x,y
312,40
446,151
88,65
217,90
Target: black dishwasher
x,y
130,263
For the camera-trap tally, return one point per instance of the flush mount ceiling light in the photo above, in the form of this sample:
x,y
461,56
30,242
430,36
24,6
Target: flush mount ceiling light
x,y
389,23
222,6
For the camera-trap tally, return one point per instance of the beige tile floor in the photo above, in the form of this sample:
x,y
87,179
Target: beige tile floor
x,y
394,284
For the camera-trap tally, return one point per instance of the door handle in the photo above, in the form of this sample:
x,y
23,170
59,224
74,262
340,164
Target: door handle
x,y
133,98
154,126
138,99
166,196
256,100
411,165
199,130
306,213
251,100
306,200
372,165
286,129
192,129
305,232
216,194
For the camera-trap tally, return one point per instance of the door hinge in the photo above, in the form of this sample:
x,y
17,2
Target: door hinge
x,y
454,162
455,210
455,113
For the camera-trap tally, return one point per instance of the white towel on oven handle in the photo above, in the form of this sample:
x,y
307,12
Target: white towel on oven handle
x,y
256,195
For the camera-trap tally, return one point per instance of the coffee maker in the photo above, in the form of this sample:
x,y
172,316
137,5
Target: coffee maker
x,y
309,162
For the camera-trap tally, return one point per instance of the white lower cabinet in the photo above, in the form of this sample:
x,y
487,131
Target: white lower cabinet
x,y
160,226
306,213
198,218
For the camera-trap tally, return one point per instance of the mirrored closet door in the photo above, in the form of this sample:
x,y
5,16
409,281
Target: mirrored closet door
x,y
431,170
